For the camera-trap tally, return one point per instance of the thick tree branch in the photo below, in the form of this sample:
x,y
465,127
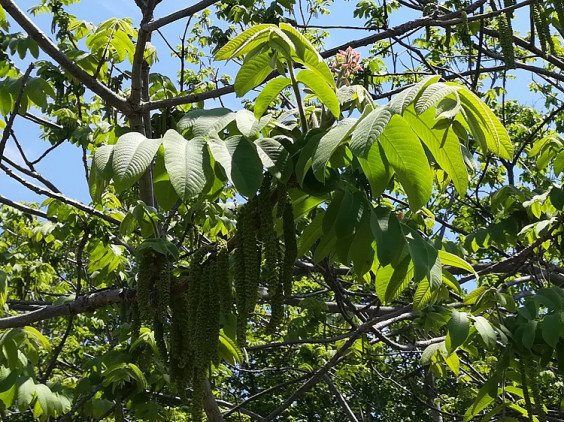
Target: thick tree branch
x,y
87,303
25,209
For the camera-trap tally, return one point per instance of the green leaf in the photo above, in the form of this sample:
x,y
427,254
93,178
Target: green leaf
x,y
3,288
233,47
39,339
312,62
376,169
205,122
389,237
280,42
311,234
558,165
303,163
327,146
428,353
44,398
8,396
133,153
369,130
527,333
432,94
275,158
349,214
300,42
453,363
483,400
391,282
248,125
497,138
455,261
444,146
486,331
324,92
551,329
422,295
103,160
269,93
361,252
228,349
458,330
252,73
240,160
407,157
187,163
401,101
26,392
557,197
423,254
472,297
164,191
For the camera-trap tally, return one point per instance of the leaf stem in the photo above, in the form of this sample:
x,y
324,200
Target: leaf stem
x,y
298,97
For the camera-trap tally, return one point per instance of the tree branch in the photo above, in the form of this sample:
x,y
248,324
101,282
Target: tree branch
x,y
318,375
53,51
180,14
42,191
8,129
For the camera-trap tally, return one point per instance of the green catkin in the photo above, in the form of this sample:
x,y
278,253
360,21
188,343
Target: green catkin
x,y
428,10
196,281
559,9
270,269
201,346
222,277
542,26
247,266
158,330
506,41
145,280
533,378
464,29
524,383
181,348
290,245
135,322
253,258
163,290
214,311
239,282
198,389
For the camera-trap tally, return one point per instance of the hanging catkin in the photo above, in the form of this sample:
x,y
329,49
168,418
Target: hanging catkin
x,y
270,270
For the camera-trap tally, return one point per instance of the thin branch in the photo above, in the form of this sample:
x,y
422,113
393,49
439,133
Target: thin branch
x,y
42,191
69,65
180,14
340,398
32,173
15,111
321,372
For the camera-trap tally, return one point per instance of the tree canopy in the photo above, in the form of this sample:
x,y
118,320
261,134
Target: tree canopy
x,y
369,232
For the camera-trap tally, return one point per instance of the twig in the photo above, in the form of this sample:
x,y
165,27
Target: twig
x,y
8,129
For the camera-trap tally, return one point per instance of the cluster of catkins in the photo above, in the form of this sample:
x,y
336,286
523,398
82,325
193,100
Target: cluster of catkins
x,y
187,326
258,255
191,319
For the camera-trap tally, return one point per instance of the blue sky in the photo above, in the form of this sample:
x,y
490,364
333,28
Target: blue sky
x,y
64,166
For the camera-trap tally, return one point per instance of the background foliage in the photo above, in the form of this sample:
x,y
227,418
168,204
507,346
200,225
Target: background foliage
x,y
372,236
